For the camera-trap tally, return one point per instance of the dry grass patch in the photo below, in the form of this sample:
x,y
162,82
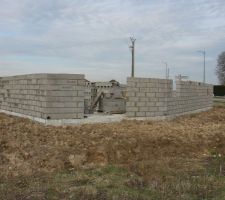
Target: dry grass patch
x,y
178,159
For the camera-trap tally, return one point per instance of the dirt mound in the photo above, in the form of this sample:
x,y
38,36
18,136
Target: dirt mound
x,y
27,147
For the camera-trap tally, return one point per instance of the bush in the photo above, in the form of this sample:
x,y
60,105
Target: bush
x,y
219,90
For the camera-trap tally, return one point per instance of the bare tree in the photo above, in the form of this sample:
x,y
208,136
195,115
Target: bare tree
x,y
220,69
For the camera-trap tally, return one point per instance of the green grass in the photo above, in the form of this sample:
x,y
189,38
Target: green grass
x,y
219,102
101,183
114,183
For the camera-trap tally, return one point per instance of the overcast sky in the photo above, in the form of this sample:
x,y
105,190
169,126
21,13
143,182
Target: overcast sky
x,y
92,37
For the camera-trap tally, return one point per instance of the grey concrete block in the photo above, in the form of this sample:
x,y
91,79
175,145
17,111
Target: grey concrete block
x,y
152,94
60,93
132,109
133,99
131,94
130,114
140,104
140,94
141,85
151,104
143,99
150,114
130,104
140,114
65,76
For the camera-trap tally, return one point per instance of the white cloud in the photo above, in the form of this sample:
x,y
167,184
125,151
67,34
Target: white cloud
x,y
92,36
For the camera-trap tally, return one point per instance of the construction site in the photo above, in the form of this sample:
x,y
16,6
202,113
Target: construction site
x,y
59,99
112,100
64,137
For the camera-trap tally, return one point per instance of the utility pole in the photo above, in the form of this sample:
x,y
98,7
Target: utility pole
x,y
132,47
167,70
203,52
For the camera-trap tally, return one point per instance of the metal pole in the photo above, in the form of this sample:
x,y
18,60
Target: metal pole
x,y
203,52
204,68
166,69
132,75
132,47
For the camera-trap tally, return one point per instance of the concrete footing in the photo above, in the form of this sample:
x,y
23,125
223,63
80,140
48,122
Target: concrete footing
x,y
100,118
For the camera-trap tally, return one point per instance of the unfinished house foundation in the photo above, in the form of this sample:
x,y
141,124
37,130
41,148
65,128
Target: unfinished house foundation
x,y
43,96
59,99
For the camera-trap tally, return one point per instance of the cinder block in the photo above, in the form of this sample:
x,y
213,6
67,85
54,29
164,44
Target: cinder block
x,y
65,76
133,89
140,114
61,93
80,104
133,99
146,99
132,109
143,85
144,90
140,94
131,84
143,109
161,94
151,85
153,90
141,104
164,113
131,94
160,104
150,104
130,114
133,79
80,93
144,80
81,82
150,94
150,114
130,104
162,108
153,109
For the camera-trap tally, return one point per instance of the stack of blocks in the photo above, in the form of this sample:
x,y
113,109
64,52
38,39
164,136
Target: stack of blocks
x,y
149,97
45,96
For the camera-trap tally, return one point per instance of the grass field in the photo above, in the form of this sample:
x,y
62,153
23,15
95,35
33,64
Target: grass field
x,y
219,101
180,159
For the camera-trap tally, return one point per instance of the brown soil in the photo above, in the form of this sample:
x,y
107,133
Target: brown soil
x,y
28,148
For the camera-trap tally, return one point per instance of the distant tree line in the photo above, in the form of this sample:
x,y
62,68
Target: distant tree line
x,y
220,69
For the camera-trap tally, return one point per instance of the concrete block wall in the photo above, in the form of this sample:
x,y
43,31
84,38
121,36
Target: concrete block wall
x,y
46,96
190,96
148,97
87,97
